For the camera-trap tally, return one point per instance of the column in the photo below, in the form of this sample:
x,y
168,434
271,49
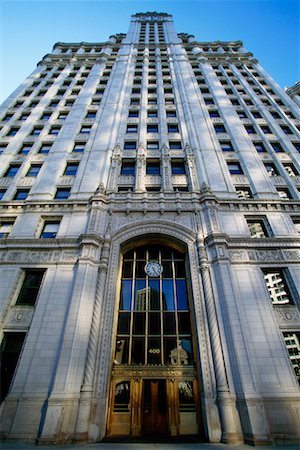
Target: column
x,y
114,170
140,171
166,170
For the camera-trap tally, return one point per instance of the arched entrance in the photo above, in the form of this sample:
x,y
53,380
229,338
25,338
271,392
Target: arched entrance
x,y
153,385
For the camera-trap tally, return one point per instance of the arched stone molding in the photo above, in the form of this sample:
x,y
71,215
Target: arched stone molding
x,y
183,237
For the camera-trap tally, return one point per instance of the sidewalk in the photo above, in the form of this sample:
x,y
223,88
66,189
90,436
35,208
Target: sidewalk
x,y
17,445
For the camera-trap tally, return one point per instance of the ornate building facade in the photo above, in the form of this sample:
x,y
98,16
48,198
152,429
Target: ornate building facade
x,y
150,247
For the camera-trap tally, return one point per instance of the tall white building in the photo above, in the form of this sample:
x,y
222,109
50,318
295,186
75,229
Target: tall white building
x,y
150,251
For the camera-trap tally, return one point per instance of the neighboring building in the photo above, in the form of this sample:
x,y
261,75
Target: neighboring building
x,y
150,251
294,92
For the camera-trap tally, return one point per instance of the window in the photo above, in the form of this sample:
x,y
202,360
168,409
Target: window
x,y
296,221
277,147
219,128
152,101
12,170
90,115
291,170
235,168
63,116
275,114
21,194
209,101
30,287
79,147
250,129
260,148
152,113
10,350
50,229
62,193
13,131
277,286
133,114
292,342
7,117
25,149
226,146
271,169
243,192
265,129
54,130
135,101
36,131
242,114
286,129
171,114
173,128
132,129
45,148
5,227
178,167
153,167
33,170
45,116
175,145
161,302
152,145
214,113
128,168
284,193
24,116
297,146
258,228
2,192
151,128
256,114
85,129
130,145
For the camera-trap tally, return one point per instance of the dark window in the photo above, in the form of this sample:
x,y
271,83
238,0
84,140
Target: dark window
x,y
79,147
130,145
85,129
128,168
242,114
178,167
271,169
226,146
50,229
284,193
234,168
277,147
21,194
90,115
152,113
258,228
5,228
12,131
256,114
12,170
266,129
45,148
214,113
11,347
131,129
152,128
133,114
260,148
33,170
286,129
2,192
45,116
175,145
152,145
25,149
171,113
62,193
30,287
277,287
219,128
153,168
291,170
297,146
71,169
173,128
36,131
209,101
250,129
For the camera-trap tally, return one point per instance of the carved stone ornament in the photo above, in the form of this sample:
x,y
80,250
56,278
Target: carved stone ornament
x,y
287,315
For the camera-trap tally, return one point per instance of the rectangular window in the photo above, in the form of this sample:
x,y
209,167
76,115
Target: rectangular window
x,y
130,145
171,114
79,147
173,128
25,149
291,170
250,129
226,146
175,145
151,128
13,131
21,194
260,148
178,167
45,149
33,170
209,101
2,192
36,131
292,342
286,129
284,193
296,221
243,192
277,147
258,228
219,128
62,193
128,168
50,229
12,170
6,227
71,169
213,113
277,287
271,169
133,114
30,287
152,113
153,167
266,129
90,115
152,145
85,129
132,129
11,347
235,168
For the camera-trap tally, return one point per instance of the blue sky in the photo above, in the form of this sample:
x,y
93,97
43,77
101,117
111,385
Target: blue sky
x,y
268,28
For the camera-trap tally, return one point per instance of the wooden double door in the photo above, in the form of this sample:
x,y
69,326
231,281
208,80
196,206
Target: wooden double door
x,y
154,415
